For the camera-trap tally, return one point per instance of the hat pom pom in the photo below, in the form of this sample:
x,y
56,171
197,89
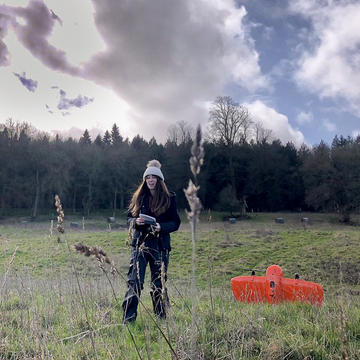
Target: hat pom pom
x,y
154,163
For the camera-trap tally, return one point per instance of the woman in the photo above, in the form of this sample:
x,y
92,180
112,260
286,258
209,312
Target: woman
x,y
150,242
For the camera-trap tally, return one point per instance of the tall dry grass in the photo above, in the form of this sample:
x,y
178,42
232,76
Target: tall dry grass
x,y
61,229
43,318
196,161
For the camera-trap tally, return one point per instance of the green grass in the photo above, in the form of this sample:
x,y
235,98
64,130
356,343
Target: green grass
x,y
41,314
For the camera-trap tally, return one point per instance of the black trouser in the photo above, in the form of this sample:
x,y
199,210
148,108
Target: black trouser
x,y
135,280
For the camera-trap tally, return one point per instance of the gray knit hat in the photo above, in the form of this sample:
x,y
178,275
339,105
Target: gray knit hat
x,y
153,168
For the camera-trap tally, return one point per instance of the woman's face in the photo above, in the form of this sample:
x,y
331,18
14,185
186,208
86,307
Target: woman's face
x,y
151,181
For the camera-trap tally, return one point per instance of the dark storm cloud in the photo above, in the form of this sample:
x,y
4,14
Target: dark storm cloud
x,y
4,21
78,102
30,84
4,54
39,23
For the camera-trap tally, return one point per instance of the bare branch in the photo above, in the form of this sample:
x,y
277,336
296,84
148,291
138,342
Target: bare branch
x,y
230,122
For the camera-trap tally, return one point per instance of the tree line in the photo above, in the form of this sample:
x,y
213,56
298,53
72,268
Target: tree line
x,y
245,169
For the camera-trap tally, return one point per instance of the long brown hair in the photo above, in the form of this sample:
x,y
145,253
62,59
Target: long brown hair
x,y
159,203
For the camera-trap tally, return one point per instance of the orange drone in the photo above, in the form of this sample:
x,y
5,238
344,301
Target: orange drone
x,y
274,288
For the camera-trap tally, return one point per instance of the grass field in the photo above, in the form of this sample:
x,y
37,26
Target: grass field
x,y
51,297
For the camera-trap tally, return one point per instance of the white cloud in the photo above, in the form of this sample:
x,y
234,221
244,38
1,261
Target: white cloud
x,y
329,126
164,58
304,117
332,67
278,123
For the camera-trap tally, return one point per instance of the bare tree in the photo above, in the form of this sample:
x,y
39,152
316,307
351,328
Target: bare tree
x,y
261,134
180,133
229,122
15,129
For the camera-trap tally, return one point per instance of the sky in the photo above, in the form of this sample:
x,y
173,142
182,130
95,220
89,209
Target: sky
x,y
146,65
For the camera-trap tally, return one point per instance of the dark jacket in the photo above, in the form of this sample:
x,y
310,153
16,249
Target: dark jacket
x,y
169,222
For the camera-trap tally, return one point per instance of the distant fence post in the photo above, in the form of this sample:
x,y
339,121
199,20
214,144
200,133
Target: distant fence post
x,y
51,228
111,220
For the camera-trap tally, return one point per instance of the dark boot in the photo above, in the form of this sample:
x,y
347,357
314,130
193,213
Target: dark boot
x,y
158,302
131,302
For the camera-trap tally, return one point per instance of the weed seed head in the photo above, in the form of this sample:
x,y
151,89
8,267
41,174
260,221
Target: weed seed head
x,y
197,152
61,215
196,160
98,254
193,200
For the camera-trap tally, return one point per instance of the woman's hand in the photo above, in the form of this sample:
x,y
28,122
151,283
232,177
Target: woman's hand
x,y
140,221
156,227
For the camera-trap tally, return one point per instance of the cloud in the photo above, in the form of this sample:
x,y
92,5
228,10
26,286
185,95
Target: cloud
x,y
4,53
276,122
304,117
329,126
30,84
66,103
33,25
331,68
164,57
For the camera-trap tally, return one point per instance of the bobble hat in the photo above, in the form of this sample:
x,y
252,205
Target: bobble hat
x,y
153,168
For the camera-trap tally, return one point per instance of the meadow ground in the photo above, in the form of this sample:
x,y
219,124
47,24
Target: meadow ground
x,y
57,304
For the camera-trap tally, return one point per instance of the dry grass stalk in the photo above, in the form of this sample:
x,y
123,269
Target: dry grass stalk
x,y
102,259
94,251
137,270
163,284
101,256
344,347
61,215
196,160
197,152
11,261
130,232
61,229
